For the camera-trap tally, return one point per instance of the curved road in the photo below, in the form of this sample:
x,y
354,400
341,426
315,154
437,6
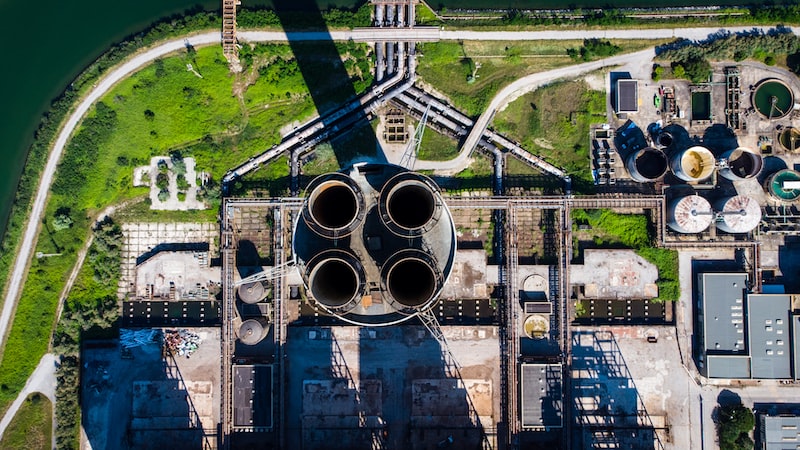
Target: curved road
x,y
140,59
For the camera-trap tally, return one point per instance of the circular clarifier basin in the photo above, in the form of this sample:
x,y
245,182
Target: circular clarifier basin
x,y
773,99
789,138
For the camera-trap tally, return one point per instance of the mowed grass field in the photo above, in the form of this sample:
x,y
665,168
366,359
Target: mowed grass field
x,y
32,426
448,65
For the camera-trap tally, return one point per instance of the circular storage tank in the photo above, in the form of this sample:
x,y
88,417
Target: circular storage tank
x,y
647,164
789,138
693,164
739,214
251,292
411,279
335,205
536,326
252,331
689,214
741,164
664,139
336,279
773,99
780,185
535,287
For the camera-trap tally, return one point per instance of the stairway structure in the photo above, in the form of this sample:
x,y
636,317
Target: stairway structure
x,y
229,48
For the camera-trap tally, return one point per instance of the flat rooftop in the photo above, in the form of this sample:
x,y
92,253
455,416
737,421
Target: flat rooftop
x,y
769,335
252,397
542,399
722,298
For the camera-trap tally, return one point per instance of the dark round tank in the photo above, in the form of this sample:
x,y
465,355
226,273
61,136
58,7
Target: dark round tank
x,y
647,164
334,282
741,164
411,204
664,139
333,204
411,282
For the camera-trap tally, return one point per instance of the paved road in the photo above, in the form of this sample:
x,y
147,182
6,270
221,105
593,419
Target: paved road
x,y
43,380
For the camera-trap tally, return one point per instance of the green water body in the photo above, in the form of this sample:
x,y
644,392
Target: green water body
x,y
769,90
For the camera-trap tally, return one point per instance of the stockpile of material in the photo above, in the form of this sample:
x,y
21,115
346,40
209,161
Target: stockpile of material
x,y
181,342
137,338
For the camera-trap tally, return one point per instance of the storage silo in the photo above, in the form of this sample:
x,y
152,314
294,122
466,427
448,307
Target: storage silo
x,y
783,185
252,292
393,249
693,164
738,214
646,165
740,164
689,214
252,331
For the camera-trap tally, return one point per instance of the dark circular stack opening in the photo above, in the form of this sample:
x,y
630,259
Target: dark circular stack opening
x,y
745,165
333,282
411,205
664,139
333,205
411,282
651,163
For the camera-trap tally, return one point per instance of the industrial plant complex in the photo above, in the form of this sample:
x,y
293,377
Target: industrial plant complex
x,y
374,308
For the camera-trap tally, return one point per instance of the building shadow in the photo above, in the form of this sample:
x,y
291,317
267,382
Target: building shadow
x,y
607,410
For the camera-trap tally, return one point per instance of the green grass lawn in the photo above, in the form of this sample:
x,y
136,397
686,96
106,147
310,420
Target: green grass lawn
x,y
553,122
448,65
32,426
436,146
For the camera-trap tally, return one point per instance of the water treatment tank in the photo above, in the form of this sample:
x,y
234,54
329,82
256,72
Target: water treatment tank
x,y
693,164
647,164
738,214
783,185
740,164
252,331
689,214
252,292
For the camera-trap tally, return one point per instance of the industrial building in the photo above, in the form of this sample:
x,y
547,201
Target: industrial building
x,y
745,334
778,432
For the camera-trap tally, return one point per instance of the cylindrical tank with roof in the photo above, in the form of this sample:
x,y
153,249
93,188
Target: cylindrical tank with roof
x,y
646,165
740,164
737,214
693,164
393,254
783,185
689,214
252,331
252,292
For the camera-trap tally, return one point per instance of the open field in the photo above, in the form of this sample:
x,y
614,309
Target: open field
x,y
31,427
448,65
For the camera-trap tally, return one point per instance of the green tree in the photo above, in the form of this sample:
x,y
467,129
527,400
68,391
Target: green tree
x,y
734,424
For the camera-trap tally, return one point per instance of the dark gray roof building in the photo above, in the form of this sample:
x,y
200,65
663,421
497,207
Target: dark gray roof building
x,y
769,335
627,96
779,432
542,402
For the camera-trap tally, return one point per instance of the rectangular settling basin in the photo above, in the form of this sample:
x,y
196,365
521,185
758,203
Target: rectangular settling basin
x,y
701,105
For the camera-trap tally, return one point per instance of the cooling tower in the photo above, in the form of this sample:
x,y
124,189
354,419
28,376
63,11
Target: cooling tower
x,y
689,214
738,214
693,164
647,164
334,206
740,164
252,331
382,257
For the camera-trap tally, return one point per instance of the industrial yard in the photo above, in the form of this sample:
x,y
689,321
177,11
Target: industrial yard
x,y
374,308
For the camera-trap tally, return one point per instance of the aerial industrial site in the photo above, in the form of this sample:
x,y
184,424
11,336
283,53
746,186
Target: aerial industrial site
x,y
373,307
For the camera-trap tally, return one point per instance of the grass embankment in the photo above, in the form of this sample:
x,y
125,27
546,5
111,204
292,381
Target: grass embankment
x,y
32,426
449,66
161,109
612,230
553,123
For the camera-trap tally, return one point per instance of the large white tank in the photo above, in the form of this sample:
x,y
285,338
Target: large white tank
x,y
252,331
738,214
740,164
689,214
693,164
